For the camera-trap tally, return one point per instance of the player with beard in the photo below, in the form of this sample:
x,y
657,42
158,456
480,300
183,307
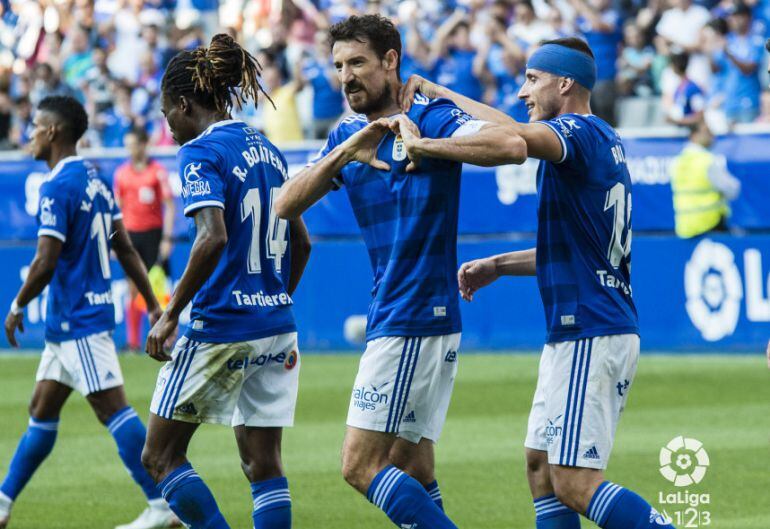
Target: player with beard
x,y
582,261
402,176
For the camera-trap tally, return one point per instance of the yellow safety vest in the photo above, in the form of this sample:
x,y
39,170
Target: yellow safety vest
x,y
698,205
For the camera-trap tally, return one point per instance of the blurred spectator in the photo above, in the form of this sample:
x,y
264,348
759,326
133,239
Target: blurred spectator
x,y
679,29
701,186
21,127
600,25
318,70
79,60
98,83
635,62
47,83
282,123
527,27
743,53
6,119
115,121
454,59
688,100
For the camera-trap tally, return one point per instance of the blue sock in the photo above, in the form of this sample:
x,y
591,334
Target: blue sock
x,y
550,513
191,500
405,501
272,504
34,446
613,507
435,494
129,434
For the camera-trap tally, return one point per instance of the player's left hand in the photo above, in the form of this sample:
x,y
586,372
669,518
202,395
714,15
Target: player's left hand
x,y
13,322
474,275
404,127
156,339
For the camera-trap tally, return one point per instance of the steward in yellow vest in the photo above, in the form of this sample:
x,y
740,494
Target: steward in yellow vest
x,y
701,186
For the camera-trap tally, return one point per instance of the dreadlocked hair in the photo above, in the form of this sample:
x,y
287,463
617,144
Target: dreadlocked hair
x,y
215,76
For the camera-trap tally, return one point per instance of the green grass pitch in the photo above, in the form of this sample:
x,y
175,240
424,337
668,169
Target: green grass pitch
x,y
723,401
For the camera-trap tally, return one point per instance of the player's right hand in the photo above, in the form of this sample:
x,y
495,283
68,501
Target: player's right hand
x,y
159,334
13,322
362,146
415,84
474,275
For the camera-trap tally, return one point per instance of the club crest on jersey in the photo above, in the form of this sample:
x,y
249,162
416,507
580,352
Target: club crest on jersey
x,y
193,183
399,150
567,125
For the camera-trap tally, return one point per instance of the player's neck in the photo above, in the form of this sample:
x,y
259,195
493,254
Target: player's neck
x,y
139,163
59,153
208,119
575,107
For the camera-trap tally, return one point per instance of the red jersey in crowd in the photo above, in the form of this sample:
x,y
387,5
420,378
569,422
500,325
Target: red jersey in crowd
x,y
141,195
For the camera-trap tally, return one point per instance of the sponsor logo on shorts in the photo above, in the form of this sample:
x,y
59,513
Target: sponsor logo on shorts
x,y
368,399
410,417
622,387
187,409
552,430
291,360
592,453
451,356
261,360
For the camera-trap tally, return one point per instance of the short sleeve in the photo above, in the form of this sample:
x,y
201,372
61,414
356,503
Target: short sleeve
x,y
202,185
53,212
441,119
575,137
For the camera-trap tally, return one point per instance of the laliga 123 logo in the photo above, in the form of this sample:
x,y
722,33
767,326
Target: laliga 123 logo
x,y
714,290
684,461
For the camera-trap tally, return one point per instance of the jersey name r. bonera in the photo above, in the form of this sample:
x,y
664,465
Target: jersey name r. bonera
x,y
233,167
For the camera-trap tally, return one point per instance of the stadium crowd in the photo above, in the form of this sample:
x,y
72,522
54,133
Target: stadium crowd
x,y
662,61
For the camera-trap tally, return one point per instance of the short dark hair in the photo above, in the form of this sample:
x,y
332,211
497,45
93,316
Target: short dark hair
x,y
140,133
70,115
375,30
679,61
573,43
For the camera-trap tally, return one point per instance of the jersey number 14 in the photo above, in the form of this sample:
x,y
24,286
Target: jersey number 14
x,y
616,200
275,242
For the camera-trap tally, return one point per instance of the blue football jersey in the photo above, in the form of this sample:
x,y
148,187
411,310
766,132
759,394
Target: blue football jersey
x,y
78,208
584,233
233,167
409,225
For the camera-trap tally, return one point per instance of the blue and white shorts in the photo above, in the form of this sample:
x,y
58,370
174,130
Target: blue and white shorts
x,y
87,365
582,388
404,386
250,383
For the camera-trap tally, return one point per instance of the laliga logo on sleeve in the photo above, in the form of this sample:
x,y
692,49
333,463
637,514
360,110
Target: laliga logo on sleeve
x,y
399,151
714,290
683,461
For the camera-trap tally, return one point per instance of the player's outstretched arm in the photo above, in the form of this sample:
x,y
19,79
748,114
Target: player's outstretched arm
x,y
210,241
41,271
300,252
134,267
313,182
542,142
492,145
477,274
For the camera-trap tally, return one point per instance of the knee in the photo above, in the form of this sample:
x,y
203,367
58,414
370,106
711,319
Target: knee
x,y
359,470
155,463
260,469
537,463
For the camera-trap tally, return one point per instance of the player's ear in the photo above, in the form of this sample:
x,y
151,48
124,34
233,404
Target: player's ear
x,y
565,85
391,60
185,105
